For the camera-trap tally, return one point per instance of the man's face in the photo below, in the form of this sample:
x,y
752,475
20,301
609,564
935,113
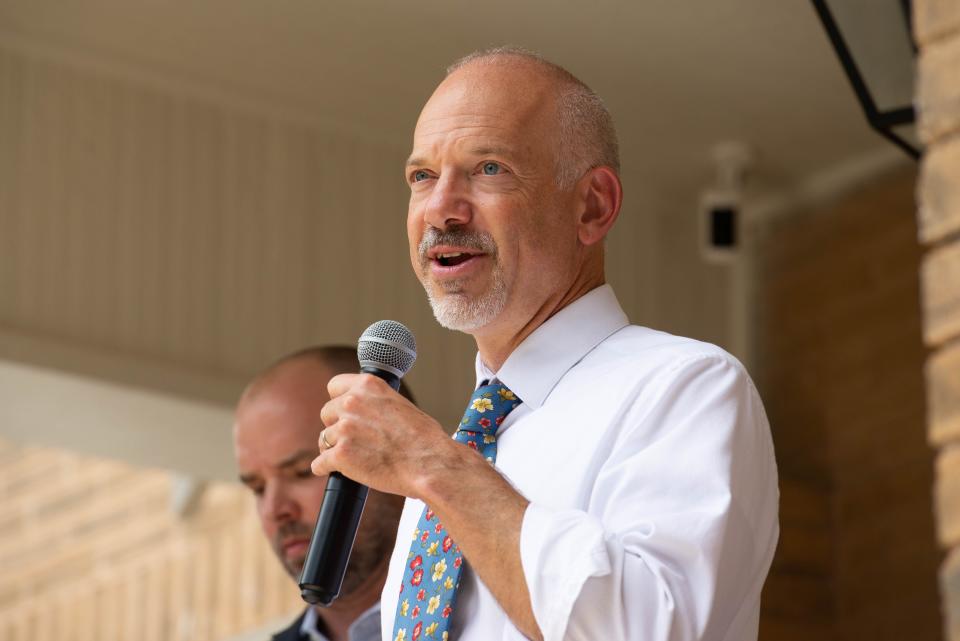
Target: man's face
x,y
491,236
275,439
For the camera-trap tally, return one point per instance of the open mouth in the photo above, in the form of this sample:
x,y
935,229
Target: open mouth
x,y
453,259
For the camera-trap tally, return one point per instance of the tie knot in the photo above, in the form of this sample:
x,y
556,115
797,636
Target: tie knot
x,y
489,405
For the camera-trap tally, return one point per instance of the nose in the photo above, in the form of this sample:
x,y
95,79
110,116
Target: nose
x,y
448,204
276,504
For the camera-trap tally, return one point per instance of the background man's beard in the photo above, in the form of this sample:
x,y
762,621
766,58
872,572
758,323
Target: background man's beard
x,y
361,565
459,311
372,547
293,566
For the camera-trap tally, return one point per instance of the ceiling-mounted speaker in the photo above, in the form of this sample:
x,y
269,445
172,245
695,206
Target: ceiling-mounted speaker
x,y
720,214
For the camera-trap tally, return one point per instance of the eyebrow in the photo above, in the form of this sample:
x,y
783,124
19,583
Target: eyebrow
x,y
291,460
298,456
490,151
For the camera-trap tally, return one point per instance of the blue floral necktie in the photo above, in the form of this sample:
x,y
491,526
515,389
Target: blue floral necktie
x,y
432,575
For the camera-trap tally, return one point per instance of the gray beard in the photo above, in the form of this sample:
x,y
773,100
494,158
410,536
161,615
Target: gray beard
x,y
456,310
453,308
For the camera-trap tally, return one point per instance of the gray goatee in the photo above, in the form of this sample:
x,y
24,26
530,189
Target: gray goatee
x,y
452,306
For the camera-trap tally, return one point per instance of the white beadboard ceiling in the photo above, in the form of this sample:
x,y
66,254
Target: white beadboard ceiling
x,y
678,76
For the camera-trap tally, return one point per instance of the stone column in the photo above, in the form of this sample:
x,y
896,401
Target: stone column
x,y
937,29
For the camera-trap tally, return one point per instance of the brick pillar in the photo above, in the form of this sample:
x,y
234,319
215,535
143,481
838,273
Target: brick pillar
x,y
937,29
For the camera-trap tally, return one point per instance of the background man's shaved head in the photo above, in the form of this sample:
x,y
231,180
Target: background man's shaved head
x,y
587,137
334,359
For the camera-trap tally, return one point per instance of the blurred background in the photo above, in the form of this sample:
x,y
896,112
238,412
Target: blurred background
x,y
190,190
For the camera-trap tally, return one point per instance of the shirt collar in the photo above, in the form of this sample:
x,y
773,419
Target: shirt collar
x,y
356,632
535,367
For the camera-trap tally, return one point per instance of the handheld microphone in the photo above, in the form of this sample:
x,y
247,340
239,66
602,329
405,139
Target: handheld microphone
x,y
387,350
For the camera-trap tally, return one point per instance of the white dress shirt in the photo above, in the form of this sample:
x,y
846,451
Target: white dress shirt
x,y
649,468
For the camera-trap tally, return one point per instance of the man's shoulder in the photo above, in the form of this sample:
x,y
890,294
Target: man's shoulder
x,y
640,349
291,633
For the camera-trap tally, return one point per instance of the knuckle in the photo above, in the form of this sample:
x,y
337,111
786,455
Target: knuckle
x,y
370,382
350,402
342,454
327,413
335,385
345,426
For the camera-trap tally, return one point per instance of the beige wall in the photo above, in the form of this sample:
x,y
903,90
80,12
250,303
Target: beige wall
x,y
91,550
693,297
839,362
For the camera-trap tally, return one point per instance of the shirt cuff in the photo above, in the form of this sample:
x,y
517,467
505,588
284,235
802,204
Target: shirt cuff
x,y
559,551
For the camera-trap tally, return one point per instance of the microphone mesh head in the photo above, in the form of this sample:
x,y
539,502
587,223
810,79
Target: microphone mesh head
x,y
387,345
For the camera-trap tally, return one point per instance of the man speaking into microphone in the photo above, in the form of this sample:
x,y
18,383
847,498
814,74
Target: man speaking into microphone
x,y
607,481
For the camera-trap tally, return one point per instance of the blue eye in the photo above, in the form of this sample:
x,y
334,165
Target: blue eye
x,y
491,168
420,175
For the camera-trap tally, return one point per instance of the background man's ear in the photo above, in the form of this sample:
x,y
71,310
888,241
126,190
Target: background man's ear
x,y
602,195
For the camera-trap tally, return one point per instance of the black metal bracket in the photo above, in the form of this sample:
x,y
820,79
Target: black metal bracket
x,y
881,121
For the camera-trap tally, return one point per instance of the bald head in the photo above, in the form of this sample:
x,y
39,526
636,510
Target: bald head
x,y
585,134
312,364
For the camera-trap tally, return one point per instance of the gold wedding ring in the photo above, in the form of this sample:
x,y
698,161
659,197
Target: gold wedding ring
x,y
323,439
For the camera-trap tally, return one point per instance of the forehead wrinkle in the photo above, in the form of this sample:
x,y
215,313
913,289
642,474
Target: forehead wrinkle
x,y
524,127
433,127
468,142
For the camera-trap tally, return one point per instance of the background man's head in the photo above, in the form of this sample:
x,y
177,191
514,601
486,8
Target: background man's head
x,y
514,160
276,430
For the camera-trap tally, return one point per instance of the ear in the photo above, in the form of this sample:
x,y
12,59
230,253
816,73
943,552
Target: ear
x,y
601,195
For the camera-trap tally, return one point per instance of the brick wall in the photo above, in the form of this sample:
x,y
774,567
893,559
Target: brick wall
x,y
91,550
839,364
937,30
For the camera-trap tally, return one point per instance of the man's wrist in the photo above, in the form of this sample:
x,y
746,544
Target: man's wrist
x,y
451,462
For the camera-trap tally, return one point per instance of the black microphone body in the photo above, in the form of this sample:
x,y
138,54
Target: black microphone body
x,y
336,529
339,517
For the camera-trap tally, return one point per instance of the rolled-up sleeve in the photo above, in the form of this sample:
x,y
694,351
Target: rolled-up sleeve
x,y
679,530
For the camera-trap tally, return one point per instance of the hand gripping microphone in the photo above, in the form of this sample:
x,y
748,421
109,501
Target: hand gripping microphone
x,y
387,350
